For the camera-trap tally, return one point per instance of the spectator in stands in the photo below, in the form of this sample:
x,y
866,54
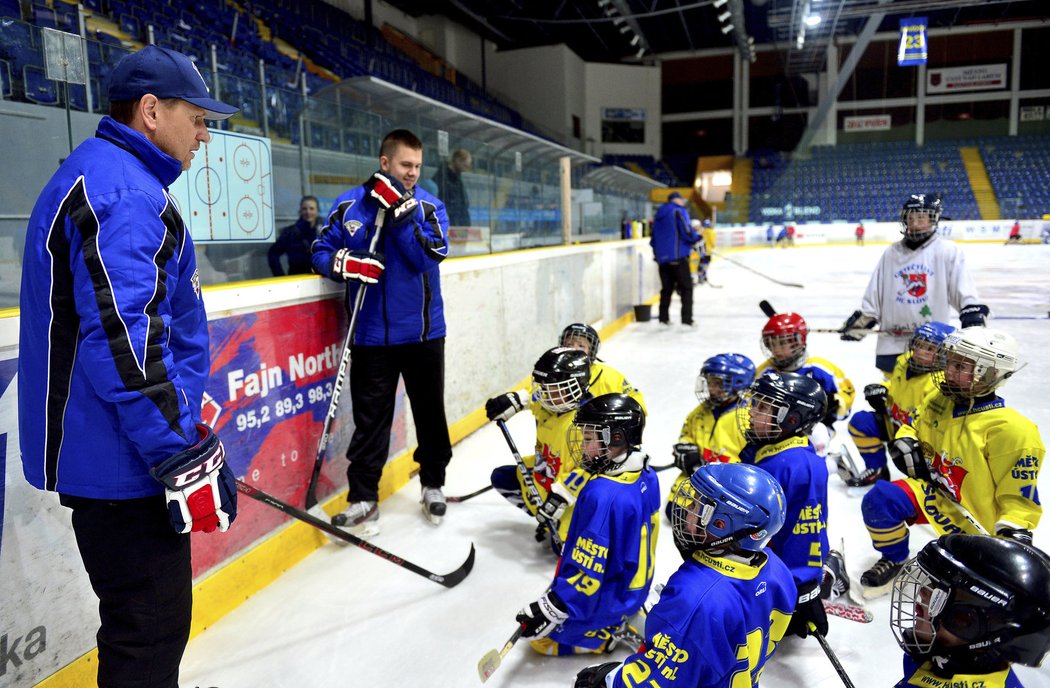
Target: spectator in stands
x,y
400,328
672,240
859,233
294,241
449,179
1015,233
114,360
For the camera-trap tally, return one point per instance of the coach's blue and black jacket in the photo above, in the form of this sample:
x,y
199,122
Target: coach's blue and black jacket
x,y
113,355
672,236
405,306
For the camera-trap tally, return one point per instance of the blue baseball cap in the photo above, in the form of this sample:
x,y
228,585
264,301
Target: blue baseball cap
x,y
674,195
166,74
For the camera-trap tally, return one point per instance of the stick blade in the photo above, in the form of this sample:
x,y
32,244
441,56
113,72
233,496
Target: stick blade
x,y
488,664
453,579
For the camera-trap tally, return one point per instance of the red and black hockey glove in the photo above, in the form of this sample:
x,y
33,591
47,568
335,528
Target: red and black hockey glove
x,y
389,193
357,266
200,487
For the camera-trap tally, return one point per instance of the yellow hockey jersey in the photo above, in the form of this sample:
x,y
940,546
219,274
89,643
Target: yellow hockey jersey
x,y
608,380
719,439
906,393
986,458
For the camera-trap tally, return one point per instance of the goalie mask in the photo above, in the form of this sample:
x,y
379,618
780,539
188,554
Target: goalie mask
x,y
973,604
975,362
926,345
727,505
784,340
560,378
605,430
919,217
778,406
723,377
581,336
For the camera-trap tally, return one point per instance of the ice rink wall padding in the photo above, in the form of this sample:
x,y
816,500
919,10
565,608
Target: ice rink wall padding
x,y
275,351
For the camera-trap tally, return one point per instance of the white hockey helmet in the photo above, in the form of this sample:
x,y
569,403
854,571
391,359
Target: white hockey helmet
x,y
992,353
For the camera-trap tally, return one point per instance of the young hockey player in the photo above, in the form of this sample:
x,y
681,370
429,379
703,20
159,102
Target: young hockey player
x,y
605,573
604,378
894,404
922,277
710,432
966,448
969,606
784,341
560,381
726,608
775,416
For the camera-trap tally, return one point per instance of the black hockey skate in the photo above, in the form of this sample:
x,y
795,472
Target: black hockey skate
x,y
876,581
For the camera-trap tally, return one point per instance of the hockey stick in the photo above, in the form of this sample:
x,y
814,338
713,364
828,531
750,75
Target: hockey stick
x,y
764,276
344,364
769,312
449,580
831,655
530,486
488,664
463,498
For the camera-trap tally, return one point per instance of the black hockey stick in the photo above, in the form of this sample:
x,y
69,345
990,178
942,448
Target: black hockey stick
x,y
488,664
831,656
449,580
760,274
344,364
463,498
530,487
769,312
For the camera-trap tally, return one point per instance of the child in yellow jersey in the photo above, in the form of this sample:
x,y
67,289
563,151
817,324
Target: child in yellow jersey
x,y
894,404
967,608
967,456
560,381
710,432
604,378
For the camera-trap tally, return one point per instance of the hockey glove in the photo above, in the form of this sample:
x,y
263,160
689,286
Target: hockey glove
x,y
594,676
875,395
808,609
540,618
907,455
199,485
1019,534
360,267
554,506
853,330
973,315
392,197
686,457
505,405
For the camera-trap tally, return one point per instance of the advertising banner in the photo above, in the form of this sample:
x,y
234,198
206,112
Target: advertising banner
x,y
867,123
973,78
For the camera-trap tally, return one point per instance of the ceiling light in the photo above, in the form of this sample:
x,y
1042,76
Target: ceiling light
x,y
813,20
719,3
624,28
725,16
635,40
727,28
641,52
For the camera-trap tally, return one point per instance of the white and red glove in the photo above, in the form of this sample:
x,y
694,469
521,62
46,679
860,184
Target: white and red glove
x,y
392,197
360,267
200,487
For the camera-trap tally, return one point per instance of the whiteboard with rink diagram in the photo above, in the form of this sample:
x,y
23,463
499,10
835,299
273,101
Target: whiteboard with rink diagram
x,y
227,194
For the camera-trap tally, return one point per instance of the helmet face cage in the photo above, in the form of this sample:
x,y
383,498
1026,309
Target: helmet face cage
x,y
596,447
968,370
916,602
691,514
784,340
559,396
920,215
726,505
925,346
759,416
576,334
723,377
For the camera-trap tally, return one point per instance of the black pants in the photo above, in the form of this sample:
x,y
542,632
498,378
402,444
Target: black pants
x,y
139,568
374,373
675,277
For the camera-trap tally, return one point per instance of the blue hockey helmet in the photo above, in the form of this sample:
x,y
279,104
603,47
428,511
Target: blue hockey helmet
x,y
734,505
780,405
735,372
925,345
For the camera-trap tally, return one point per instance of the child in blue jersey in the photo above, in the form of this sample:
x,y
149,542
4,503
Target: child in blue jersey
x,y
775,416
606,568
725,610
969,606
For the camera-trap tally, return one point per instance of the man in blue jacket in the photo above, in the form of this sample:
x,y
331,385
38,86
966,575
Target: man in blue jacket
x,y
113,360
672,240
401,327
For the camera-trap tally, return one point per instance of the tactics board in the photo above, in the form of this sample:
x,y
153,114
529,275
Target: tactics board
x,y
227,194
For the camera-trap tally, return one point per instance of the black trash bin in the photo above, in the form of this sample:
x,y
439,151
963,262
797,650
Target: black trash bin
x,y
643,312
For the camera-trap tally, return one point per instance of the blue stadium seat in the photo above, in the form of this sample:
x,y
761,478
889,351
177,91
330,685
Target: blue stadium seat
x,y
39,89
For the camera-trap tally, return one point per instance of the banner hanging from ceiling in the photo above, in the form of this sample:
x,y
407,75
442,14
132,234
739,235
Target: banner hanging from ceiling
x,y
911,50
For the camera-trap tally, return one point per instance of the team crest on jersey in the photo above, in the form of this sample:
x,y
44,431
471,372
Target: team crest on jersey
x,y
195,282
915,284
352,226
948,473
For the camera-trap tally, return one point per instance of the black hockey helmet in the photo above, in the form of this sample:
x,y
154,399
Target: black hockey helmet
x,y
581,331
973,604
926,206
780,405
605,430
560,378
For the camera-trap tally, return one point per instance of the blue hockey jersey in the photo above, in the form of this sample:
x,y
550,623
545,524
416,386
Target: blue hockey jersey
x,y
716,625
672,236
607,564
405,307
803,540
113,352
